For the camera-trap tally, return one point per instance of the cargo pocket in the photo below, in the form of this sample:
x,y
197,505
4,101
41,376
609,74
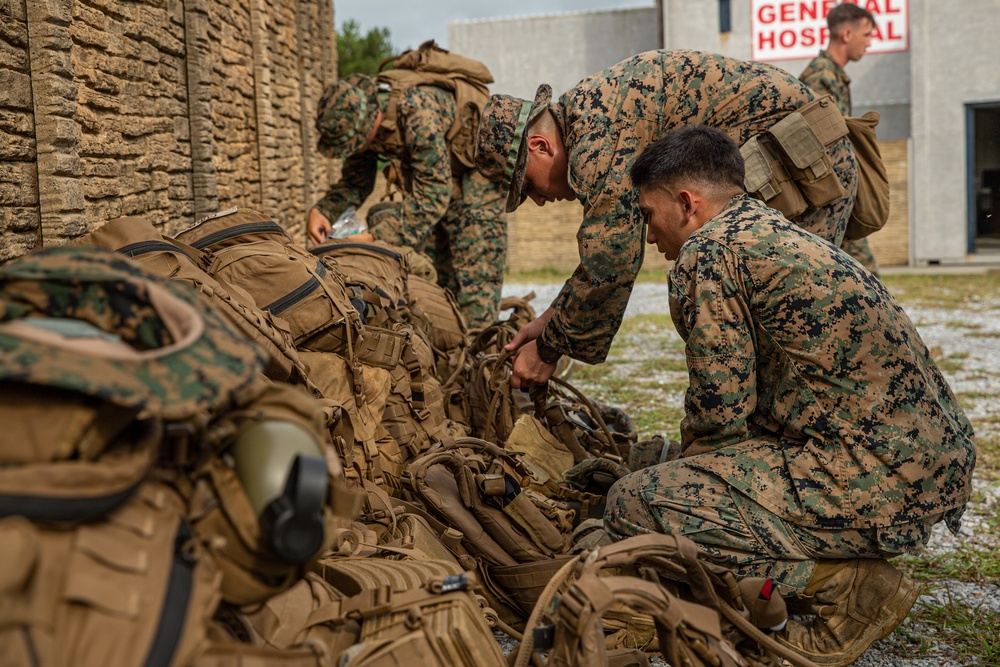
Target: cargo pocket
x,y
802,136
767,179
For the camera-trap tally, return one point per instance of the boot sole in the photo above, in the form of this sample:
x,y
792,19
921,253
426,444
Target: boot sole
x,y
881,626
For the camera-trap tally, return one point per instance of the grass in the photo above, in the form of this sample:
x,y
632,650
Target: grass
x,y
971,632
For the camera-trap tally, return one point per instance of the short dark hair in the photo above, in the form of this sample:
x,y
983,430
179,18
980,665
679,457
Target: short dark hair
x,y
846,12
694,152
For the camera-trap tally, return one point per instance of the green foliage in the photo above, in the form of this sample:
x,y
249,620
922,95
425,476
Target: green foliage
x,y
361,54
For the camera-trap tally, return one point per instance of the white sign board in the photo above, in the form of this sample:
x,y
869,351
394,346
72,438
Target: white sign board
x,y
785,30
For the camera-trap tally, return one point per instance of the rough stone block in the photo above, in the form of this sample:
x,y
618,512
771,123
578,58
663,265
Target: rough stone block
x,y
15,90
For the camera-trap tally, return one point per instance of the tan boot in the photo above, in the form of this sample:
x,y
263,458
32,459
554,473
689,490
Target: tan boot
x,y
857,602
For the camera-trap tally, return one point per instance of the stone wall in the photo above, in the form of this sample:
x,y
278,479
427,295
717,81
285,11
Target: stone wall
x,y
165,108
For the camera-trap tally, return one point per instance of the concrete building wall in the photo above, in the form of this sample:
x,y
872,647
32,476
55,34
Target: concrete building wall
x,y
558,49
879,82
955,55
164,108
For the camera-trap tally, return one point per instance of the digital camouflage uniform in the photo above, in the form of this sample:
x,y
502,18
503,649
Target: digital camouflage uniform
x,y
816,424
455,217
606,121
825,77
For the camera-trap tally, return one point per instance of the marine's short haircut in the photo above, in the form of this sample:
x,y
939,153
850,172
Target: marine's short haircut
x,y
844,13
692,153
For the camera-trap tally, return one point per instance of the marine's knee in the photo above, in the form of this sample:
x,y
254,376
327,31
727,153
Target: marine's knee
x,y
627,512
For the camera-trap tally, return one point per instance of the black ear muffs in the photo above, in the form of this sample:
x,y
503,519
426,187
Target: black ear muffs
x,y
293,522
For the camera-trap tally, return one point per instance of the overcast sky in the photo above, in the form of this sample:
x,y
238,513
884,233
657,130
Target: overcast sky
x,y
410,22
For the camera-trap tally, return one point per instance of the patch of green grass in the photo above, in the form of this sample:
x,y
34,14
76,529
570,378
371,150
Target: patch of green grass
x,y
972,632
978,565
983,334
988,455
951,365
946,291
548,274
964,397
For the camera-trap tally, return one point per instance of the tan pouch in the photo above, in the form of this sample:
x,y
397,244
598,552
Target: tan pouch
x,y
802,136
871,208
767,179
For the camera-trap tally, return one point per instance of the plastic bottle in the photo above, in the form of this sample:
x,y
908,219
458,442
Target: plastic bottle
x,y
347,224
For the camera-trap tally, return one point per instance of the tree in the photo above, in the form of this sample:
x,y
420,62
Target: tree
x,y
357,54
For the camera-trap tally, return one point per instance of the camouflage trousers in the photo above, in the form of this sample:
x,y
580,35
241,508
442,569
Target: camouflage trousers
x,y
469,248
830,221
678,498
861,251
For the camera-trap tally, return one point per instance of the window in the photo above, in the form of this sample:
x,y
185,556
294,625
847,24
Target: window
x,y
725,17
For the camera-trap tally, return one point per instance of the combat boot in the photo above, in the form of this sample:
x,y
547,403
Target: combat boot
x,y
856,602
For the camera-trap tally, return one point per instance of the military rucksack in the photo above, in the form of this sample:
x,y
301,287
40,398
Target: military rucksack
x,y
515,535
871,207
109,377
430,65
255,253
665,591
138,240
414,413
367,612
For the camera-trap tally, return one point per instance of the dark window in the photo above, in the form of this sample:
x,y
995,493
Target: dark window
x,y
725,17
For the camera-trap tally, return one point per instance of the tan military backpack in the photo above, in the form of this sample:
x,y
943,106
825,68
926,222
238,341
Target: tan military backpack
x,y
254,253
697,611
138,240
367,612
100,565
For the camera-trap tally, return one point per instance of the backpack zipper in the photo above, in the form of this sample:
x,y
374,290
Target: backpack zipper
x,y
175,605
238,230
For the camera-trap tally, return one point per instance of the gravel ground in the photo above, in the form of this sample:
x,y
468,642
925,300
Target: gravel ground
x,y
970,335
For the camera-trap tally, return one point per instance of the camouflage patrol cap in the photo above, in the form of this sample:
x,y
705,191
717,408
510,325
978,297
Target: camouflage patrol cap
x,y
346,115
88,320
500,143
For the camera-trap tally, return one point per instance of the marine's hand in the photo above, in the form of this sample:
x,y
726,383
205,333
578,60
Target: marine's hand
x,y
363,237
529,370
317,226
529,331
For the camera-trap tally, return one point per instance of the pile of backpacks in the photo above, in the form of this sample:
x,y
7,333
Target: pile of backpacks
x,y
221,448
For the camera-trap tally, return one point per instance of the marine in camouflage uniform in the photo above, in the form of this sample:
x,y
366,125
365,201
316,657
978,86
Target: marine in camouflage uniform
x,y
816,423
448,212
604,123
825,76
819,438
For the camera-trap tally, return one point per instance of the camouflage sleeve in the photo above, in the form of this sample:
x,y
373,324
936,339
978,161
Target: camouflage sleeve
x,y
426,116
590,306
357,180
711,312
822,80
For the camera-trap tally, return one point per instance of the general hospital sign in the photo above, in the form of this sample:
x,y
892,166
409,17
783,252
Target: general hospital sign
x,y
793,30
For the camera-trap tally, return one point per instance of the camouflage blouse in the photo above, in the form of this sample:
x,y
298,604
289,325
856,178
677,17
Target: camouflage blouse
x,y
425,115
825,76
606,121
805,372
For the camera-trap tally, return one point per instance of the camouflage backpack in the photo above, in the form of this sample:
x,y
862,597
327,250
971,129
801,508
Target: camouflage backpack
x,y
99,402
430,65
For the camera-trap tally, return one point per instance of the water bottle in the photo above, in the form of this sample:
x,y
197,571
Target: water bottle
x,y
347,224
